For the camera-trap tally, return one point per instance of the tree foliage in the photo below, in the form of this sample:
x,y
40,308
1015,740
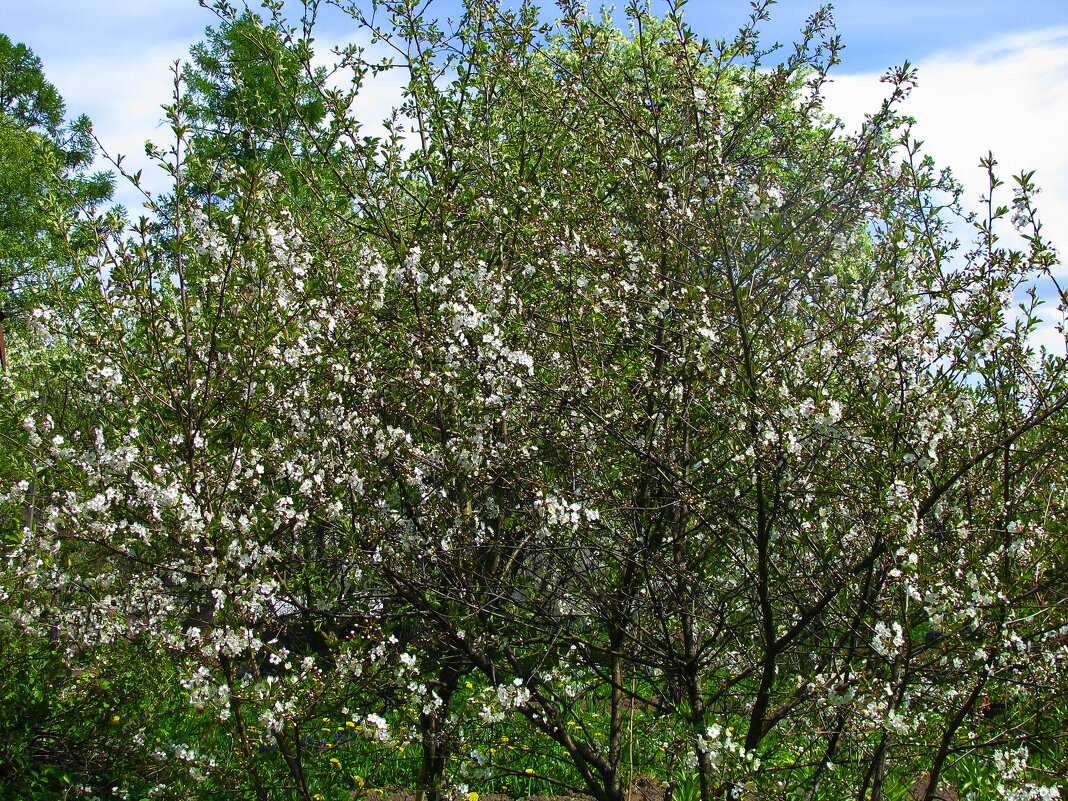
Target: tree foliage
x,y
252,98
44,174
25,95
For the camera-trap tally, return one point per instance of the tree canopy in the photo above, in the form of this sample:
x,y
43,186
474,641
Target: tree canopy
x,y
44,174
25,95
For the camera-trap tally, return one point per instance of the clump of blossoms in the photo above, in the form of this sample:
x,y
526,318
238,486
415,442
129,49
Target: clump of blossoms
x,y
1012,768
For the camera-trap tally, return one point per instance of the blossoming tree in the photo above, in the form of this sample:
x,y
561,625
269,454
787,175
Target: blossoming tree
x,y
630,403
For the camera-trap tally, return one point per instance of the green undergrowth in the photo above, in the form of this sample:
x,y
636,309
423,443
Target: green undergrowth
x,y
119,724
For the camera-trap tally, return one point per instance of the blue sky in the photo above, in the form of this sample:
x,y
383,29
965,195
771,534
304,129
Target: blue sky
x,y
993,73
882,33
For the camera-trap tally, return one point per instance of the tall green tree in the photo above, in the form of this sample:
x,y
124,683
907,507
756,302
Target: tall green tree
x,y
253,100
45,175
24,93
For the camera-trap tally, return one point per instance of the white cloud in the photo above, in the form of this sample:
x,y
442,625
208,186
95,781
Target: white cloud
x,y
123,95
1008,95
379,94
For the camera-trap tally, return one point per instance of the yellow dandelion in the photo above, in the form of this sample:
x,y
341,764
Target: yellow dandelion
x,y
115,718
335,762
529,770
472,796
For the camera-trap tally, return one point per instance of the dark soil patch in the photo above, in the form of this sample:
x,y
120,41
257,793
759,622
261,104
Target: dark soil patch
x,y
644,790
946,791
